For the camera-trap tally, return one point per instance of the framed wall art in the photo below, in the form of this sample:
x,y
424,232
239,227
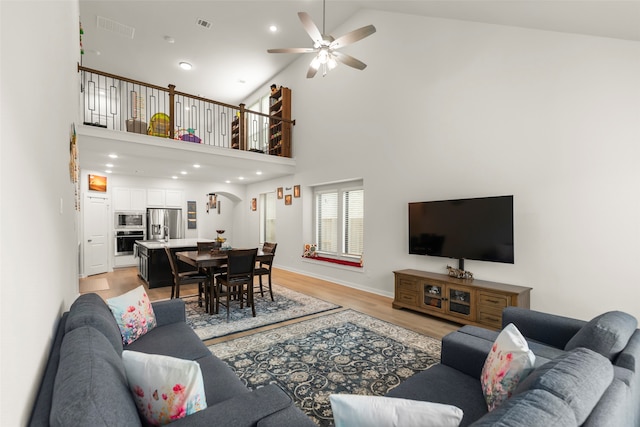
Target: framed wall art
x,y
280,192
287,199
98,183
296,191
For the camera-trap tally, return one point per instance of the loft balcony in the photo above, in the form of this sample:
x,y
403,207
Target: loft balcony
x,y
138,117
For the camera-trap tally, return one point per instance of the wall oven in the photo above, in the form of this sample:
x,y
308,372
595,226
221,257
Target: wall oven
x,y
129,220
125,240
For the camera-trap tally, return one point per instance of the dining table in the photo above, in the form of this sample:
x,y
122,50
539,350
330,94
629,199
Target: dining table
x,y
209,260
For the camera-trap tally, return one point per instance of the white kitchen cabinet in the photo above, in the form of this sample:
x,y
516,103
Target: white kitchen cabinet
x,y
156,198
121,199
173,198
138,199
129,199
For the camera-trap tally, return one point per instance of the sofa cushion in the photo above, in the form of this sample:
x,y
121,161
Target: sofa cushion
x,y
507,363
241,411
364,411
476,331
220,382
91,310
169,311
606,334
534,408
444,384
290,416
164,388
175,339
91,388
578,377
465,353
543,352
629,357
615,407
133,313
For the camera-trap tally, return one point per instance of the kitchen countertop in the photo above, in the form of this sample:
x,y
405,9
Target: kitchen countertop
x,y
172,243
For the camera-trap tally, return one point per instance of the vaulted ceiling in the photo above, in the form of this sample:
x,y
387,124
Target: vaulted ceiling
x,y
148,39
226,41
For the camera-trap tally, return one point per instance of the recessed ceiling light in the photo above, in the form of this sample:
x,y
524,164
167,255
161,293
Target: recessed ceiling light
x,y
109,165
113,156
228,182
241,178
196,166
273,28
259,173
185,65
174,177
183,172
108,171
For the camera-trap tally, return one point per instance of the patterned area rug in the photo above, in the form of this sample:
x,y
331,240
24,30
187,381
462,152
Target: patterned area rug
x,y
288,305
345,352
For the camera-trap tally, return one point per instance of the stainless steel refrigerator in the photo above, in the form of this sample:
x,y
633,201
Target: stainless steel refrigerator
x,y
161,221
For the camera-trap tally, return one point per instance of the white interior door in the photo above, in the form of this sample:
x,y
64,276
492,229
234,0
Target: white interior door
x,y
96,238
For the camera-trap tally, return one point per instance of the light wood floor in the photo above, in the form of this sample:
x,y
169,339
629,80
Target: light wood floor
x,y
124,279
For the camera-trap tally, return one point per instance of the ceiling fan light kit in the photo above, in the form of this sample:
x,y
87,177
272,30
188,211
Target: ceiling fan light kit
x,y
325,46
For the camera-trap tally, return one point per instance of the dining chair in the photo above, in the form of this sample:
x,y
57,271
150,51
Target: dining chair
x,y
212,272
187,278
231,284
264,266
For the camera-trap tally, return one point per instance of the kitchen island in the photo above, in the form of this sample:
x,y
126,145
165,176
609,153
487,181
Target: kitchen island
x,y
153,264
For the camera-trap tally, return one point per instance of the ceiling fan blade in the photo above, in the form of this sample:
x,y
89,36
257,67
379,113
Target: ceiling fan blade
x,y
310,27
349,60
292,50
311,72
352,37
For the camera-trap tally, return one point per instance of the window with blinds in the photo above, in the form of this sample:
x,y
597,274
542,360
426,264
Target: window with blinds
x,y
327,221
339,219
353,202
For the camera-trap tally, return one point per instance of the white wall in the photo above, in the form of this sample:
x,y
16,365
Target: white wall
x,y
38,224
451,109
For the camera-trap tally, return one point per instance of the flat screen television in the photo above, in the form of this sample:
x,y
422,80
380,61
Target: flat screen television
x,y
475,229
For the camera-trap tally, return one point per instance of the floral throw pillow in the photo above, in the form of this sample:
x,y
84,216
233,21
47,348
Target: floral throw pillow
x,y
133,313
508,362
164,388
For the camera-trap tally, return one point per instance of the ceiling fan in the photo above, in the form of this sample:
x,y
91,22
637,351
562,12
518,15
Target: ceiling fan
x,y
325,45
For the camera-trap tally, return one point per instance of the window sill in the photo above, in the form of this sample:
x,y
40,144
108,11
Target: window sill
x,y
340,262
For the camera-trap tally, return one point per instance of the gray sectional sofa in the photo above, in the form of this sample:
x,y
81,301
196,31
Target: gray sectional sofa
x,y
84,382
586,373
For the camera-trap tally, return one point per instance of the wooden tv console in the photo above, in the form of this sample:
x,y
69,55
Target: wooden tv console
x,y
466,301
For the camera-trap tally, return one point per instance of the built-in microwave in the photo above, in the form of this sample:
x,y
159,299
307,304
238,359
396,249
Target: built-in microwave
x,y
129,220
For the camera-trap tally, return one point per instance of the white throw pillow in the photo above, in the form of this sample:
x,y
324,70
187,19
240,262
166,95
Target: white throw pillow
x,y
351,410
508,362
133,313
164,388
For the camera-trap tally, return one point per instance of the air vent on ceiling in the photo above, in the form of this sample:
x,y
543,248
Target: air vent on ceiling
x,y
203,23
115,27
